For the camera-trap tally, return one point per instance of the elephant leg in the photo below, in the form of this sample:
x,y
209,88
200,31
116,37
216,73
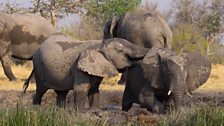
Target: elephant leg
x,y
38,96
153,104
80,95
127,100
123,78
168,104
148,100
61,98
93,95
32,78
40,88
6,62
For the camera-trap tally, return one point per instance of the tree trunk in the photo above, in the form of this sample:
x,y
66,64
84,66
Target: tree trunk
x,y
54,20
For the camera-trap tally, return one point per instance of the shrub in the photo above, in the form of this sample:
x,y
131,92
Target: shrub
x,y
188,38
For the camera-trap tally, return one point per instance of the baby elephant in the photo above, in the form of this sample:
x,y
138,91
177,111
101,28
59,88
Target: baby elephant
x,y
162,76
63,64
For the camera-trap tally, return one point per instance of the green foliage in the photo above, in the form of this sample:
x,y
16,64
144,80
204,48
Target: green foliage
x,y
19,116
198,116
104,10
213,24
187,37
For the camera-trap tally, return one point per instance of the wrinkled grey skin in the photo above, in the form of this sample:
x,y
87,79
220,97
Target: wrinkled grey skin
x,y
140,28
80,66
20,36
161,71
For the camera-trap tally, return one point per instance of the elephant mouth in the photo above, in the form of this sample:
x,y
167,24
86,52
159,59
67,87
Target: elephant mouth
x,y
140,57
122,70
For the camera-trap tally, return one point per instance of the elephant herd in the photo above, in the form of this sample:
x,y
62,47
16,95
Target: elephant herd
x,y
137,44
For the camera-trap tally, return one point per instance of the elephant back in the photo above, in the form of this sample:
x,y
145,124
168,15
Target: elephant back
x,y
145,29
31,28
198,70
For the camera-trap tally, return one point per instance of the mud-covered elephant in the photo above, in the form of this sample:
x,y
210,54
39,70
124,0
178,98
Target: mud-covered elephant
x,y
163,77
20,36
63,64
140,28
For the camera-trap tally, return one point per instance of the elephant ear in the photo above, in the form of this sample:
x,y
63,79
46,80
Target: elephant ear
x,y
150,66
198,70
109,28
94,63
155,66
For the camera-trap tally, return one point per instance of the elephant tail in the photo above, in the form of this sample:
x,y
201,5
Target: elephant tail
x,y
26,84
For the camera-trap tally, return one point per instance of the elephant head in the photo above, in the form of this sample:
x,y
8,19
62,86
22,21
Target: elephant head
x,y
176,75
111,26
165,70
115,54
112,57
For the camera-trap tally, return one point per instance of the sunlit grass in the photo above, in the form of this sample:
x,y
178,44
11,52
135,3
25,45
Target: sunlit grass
x,y
37,116
205,115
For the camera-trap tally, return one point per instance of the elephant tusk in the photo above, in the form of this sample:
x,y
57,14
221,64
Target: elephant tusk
x,y
189,95
169,92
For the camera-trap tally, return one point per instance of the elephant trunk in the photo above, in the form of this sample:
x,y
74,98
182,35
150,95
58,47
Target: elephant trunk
x,y
178,93
137,53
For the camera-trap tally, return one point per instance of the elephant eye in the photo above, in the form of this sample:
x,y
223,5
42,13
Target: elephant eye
x,y
155,65
119,50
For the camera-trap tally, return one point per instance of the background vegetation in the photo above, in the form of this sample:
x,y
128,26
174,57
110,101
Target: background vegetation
x,y
196,26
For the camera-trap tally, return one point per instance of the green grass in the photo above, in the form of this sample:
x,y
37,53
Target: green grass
x,y
52,116
197,116
20,116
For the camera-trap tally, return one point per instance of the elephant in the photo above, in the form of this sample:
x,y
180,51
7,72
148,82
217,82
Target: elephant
x,y
141,28
64,64
162,77
21,35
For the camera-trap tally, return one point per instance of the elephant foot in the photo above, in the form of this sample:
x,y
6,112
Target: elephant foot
x,y
121,82
95,110
183,109
13,79
33,81
158,109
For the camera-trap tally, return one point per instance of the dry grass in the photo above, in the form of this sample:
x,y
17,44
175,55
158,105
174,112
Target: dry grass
x,y
215,82
21,73
214,87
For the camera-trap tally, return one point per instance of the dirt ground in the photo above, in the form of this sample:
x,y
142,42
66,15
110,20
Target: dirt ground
x,y
11,93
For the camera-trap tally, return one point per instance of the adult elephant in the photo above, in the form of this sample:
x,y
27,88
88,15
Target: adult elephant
x,y
163,76
81,66
20,36
140,28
